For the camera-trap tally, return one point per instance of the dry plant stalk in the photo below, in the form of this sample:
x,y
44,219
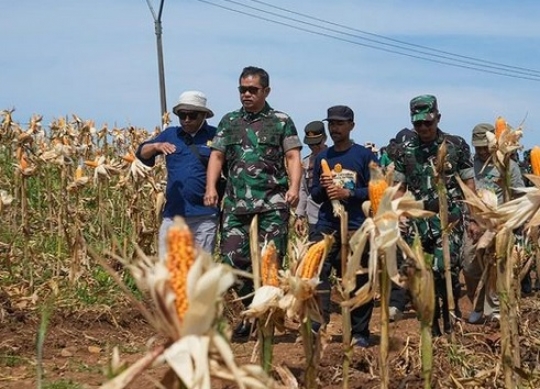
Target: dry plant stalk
x,y
265,305
382,231
300,301
440,178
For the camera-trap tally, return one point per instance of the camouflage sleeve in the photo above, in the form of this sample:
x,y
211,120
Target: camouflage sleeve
x,y
290,134
399,166
218,140
465,163
516,178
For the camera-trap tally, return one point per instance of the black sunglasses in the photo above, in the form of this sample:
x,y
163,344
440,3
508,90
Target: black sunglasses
x,y
192,115
426,123
251,89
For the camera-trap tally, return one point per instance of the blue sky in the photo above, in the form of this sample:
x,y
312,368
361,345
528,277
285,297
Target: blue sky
x,y
98,59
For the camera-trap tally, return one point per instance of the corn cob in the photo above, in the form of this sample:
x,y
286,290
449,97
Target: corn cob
x,y
337,208
129,157
93,164
269,265
325,168
313,259
376,187
180,258
78,172
23,162
535,160
500,126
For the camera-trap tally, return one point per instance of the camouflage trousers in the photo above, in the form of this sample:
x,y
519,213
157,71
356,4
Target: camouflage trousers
x,y
234,245
432,243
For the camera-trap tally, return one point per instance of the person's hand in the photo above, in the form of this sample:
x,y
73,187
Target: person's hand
x,y
165,148
211,198
291,197
326,180
300,226
474,230
337,193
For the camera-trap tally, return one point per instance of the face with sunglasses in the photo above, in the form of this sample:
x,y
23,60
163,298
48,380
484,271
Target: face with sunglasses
x,y
252,93
191,121
427,129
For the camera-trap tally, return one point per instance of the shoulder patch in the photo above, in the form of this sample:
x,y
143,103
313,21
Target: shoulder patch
x,y
281,115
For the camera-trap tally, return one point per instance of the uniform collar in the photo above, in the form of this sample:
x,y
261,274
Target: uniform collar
x,y
250,116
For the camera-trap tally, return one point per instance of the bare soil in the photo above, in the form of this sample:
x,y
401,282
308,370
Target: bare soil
x,y
78,347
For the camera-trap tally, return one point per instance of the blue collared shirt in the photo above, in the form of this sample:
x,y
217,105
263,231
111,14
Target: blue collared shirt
x,y
186,173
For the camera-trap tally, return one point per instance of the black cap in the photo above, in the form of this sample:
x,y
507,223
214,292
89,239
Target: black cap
x,y
404,135
314,133
340,112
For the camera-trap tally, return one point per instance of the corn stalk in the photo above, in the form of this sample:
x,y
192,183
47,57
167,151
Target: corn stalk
x,y
265,327
385,323
422,289
445,231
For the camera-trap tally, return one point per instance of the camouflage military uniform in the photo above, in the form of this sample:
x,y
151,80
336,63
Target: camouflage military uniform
x,y
414,167
254,146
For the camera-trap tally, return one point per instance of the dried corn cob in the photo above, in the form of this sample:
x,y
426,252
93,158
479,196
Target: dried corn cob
x,y
269,264
325,168
93,164
129,157
180,258
78,172
500,126
376,187
23,162
313,259
535,160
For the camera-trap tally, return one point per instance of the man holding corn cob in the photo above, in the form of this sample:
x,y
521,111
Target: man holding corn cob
x,y
186,154
347,184
415,169
261,151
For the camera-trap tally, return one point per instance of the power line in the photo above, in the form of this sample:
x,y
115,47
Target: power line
x,y
498,64
475,67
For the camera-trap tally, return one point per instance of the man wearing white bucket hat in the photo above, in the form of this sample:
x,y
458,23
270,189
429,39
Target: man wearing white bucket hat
x,y
186,150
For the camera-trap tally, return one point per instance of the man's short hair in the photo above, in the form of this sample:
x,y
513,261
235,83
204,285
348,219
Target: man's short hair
x,y
255,71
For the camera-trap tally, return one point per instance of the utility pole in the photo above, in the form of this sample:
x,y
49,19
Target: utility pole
x,y
161,68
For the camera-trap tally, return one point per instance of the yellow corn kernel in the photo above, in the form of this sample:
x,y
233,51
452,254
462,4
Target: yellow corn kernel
x,y
500,126
129,157
269,264
535,160
376,190
325,168
376,187
93,164
180,258
23,163
313,259
78,172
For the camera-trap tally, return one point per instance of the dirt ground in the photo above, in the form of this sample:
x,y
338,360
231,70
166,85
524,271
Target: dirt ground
x,y
77,349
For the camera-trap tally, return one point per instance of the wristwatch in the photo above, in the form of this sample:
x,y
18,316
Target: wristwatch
x,y
351,193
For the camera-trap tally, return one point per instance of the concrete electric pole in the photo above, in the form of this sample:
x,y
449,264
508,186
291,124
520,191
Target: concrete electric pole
x,y
161,68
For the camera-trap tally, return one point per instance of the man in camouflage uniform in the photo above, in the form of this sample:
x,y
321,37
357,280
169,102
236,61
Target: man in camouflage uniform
x,y
261,151
414,169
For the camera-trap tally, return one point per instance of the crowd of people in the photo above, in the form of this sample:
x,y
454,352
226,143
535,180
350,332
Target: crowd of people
x,y
257,150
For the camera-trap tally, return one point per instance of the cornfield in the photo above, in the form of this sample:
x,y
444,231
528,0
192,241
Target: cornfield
x,y
79,234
